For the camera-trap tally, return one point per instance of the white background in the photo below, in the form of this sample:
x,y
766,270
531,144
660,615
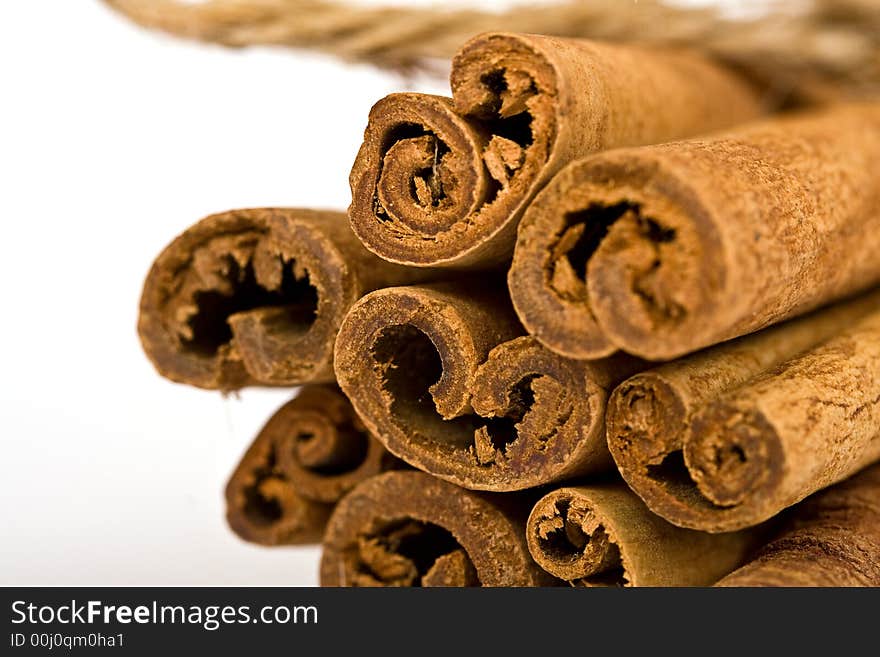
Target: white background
x,y
112,141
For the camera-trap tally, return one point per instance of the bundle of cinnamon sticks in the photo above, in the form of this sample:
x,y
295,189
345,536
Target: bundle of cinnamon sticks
x,y
597,318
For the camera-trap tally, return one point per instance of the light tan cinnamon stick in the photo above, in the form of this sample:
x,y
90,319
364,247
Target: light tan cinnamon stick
x,y
604,535
410,529
256,297
436,373
443,182
728,438
310,453
831,539
662,250
649,414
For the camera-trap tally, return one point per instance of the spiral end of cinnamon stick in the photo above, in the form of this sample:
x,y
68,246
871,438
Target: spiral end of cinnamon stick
x,y
605,261
567,539
440,182
309,454
539,419
701,475
735,457
417,365
248,296
417,179
410,529
648,285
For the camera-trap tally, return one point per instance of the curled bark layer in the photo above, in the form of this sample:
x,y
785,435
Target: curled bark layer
x,y
662,250
256,297
411,529
444,182
439,376
310,453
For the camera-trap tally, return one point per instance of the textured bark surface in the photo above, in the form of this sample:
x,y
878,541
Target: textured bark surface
x,y
761,446
411,529
437,374
310,453
831,539
256,297
604,535
649,414
444,182
662,250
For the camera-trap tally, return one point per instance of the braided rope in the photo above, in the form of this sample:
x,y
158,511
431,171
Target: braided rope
x,y
829,42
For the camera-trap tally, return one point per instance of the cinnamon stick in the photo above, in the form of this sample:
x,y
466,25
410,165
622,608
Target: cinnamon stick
x,y
604,535
444,182
310,453
662,250
436,374
831,539
256,297
728,438
411,529
649,414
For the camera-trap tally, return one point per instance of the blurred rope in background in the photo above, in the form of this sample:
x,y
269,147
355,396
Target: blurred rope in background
x,y
817,48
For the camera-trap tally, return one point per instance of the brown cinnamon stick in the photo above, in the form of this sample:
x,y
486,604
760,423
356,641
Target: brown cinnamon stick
x,y
662,250
831,539
438,376
256,297
604,535
310,453
728,438
411,529
443,182
648,415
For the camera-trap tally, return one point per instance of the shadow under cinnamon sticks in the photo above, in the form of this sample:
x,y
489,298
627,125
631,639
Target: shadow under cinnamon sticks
x,y
662,250
256,297
730,436
442,376
310,453
830,539
410,529
444,181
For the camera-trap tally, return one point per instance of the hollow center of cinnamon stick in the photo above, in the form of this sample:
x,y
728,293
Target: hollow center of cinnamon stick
x,y
502,430
411,368
619,232
674,476
573,536
504,114
409,552
294,296
262,505
331,451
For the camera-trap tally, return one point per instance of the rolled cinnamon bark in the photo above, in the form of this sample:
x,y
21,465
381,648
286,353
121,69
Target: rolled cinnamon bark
x,y
787,432
604,535
831,539
662,250
411,529
256,297
436,374
441,182
649,414
310,453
